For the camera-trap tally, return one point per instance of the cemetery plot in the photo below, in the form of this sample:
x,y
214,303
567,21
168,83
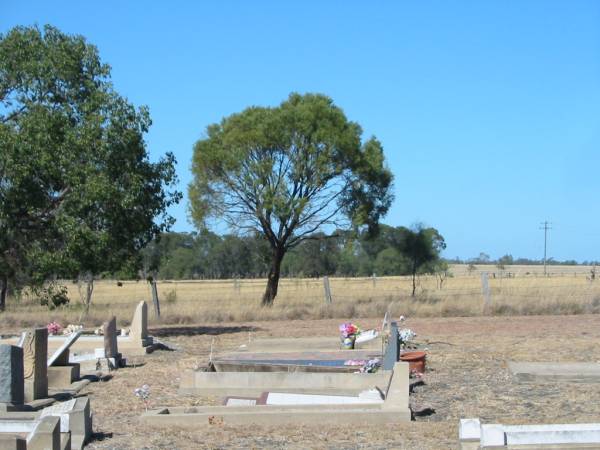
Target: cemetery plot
x,y
291,409
572,372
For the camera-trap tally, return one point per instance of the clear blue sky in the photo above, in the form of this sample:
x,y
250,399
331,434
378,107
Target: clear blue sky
x,y
489,111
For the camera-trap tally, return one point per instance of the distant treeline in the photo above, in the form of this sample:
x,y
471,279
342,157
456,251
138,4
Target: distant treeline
x,y
508,260
206,255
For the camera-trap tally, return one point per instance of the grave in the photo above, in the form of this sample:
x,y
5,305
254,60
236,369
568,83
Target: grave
x,y
35,355
136,342
42,434
73,418
575,372
110,353
255,383
290,355
286,398
475,435
61,372
394,409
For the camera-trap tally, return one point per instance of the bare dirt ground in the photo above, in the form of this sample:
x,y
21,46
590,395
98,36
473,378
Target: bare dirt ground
x,y
467,377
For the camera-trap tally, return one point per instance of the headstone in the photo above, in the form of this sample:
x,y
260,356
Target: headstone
x,y
35,370
61,356
392,350
11,376
139,325
110,338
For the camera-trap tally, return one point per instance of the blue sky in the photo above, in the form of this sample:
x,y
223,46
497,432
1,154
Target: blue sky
x,y
489,111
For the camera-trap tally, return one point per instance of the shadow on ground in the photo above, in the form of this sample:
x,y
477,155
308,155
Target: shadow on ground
x,y
196,330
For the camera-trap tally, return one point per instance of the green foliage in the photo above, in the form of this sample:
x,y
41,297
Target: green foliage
x,y
207,255
285,172
78,192
52,296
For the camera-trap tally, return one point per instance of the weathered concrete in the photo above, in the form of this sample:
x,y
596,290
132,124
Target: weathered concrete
x,y
392,349
35,355
394,409
139,325
254,383
11,376
576,372
61,356
278,345
46,435
75,418
12,442
110,338
473,434
62,376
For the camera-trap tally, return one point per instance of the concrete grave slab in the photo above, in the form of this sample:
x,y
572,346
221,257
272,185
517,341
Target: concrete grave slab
x,y
254,383
576,372
474,435
394,409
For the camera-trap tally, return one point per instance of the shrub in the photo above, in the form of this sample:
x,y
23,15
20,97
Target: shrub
x,y
53,296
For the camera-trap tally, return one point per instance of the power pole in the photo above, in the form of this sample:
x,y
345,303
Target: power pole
x,y
545,226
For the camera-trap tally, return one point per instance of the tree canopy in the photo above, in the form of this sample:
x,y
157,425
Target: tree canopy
x,y
78,193
286,172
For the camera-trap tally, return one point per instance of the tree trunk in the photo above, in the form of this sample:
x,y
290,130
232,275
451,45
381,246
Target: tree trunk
x,y
3,291
273,278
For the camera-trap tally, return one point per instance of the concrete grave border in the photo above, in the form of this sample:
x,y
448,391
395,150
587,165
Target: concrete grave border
x,y
394,409
475,435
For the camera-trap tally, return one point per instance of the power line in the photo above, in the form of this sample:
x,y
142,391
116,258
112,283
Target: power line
x,y
546,226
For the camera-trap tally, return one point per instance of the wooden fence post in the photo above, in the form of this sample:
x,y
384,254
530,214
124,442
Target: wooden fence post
x,y
485,288
155,298
327,290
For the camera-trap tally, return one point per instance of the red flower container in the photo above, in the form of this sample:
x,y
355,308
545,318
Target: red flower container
x,y
415,360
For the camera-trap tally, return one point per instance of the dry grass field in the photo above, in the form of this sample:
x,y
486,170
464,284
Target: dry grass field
x,y
517,290
466,377
467,374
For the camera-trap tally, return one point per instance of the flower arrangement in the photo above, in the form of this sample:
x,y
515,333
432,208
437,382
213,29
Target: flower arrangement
x,y
70,329
143,394
371,366
349,331
405,335
53,328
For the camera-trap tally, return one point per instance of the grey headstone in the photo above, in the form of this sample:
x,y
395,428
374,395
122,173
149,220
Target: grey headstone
x,y
110,338
35,371
392,351
11,374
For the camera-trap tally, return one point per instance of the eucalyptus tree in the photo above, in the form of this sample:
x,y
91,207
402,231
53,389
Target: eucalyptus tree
x,y
286,172
422,249
78,192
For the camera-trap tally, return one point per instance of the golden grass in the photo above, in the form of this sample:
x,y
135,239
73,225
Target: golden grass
x,y
526,292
